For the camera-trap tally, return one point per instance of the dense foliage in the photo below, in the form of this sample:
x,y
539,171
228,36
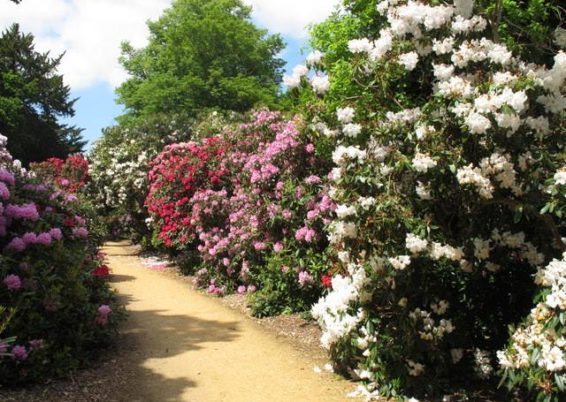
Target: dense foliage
x,y
250,205
446,144
55,307
32,98
201,54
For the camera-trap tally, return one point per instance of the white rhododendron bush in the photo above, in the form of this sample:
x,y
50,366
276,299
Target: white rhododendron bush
x,y
450,181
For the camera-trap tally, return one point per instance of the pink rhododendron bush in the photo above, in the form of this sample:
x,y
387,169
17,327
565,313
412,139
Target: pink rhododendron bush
x,y
251,203
55,306
450,184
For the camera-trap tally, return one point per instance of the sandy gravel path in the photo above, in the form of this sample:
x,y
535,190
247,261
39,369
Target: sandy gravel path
x,y
186,346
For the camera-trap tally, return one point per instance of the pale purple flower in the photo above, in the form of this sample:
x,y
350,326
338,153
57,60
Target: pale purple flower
x,y
12,282
36,343
103,311
19,353
7,177
29,238
312,179
24,211
56,234
4,192
16,245
44,239
305,278
80,232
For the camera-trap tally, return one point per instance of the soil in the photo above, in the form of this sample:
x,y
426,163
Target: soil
x,y
179,344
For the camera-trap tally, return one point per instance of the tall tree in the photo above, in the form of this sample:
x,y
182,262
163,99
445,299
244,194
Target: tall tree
x,y
32,98
202,54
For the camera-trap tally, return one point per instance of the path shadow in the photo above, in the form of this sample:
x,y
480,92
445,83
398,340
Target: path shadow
x,y
113,278
153,334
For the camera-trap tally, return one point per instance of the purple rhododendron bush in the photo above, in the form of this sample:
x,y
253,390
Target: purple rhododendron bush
x,y
250,205
450,186
55,306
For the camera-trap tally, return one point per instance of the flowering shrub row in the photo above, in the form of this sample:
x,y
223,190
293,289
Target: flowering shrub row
x,y
252,203
54,304
448,179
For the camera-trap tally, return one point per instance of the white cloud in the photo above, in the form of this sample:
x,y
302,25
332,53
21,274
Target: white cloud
x,y
90,31
291,17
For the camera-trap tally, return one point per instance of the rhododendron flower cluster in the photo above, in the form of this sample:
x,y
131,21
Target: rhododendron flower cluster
x,y
47,294
241,197
70,174
449,191
176,174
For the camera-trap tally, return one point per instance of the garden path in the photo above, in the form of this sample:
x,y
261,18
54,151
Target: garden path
x,y
187,346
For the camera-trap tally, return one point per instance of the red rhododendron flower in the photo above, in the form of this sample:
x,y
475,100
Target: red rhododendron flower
x,y
101,271
326,281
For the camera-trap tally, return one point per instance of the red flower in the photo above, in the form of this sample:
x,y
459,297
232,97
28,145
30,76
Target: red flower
x,y
326,281
101,271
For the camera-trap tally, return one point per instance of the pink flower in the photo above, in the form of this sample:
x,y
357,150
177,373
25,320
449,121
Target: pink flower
x,y
24,211
277,247
19,353
36,343
16,245
4,192
305,278
7,177
312,179
80,232
103,311
56,234
12,282
251,288
44,239
241,289
29,238
309,148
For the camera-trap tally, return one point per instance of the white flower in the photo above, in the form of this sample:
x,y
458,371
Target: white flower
x,y
443,72
456,355
560,177
478,123
414,368
422,163
409,60
415,244
423,191
320,84
400,262
360,45
352,130
343,211
443,46
345,115
314,58
300,70
292,81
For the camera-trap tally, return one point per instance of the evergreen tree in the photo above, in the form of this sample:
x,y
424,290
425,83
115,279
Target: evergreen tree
x,y
32,98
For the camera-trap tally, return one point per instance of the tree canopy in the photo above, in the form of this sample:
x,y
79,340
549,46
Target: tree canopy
x,y
202,54
32,98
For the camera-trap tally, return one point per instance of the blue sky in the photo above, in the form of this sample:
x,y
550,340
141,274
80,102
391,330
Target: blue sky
x,y
89,32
